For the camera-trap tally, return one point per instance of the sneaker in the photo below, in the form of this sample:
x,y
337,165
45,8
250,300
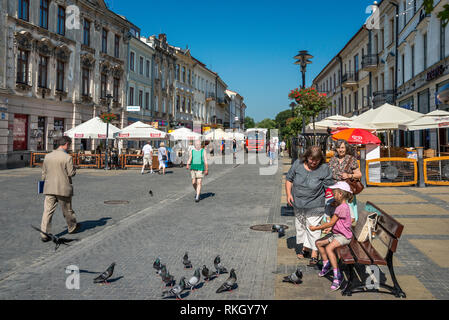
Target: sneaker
x,y
141,172
197,199
336,284
325,270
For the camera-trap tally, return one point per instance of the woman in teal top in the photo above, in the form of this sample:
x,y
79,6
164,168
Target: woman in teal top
x,y
197,164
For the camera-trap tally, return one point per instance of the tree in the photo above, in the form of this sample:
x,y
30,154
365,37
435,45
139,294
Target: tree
x,y
281,123
267,124
311,102
249,123
442,15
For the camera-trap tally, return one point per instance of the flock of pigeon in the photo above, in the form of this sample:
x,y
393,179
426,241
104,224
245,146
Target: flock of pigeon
x,y
177,289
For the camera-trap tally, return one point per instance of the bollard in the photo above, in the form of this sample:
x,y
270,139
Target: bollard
x,y
363,165
421,182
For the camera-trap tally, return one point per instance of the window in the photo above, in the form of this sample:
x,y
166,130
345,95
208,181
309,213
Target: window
x,y
156,103
148,69
156,70
147,100
413,61
404,7
117,46
24,10
442,41
131,96
104,84
43,18
104,41
61,20
403,68
116,89
42,72
177,72
86,33
189,107
391,31
425,50
183,107
140,98
163,105
131,61
188,78
22,66
177,103
183,74
382,39
59,75
85,81
414,6
141,65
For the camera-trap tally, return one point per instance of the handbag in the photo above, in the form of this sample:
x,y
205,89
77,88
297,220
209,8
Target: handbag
x,y
365,226
355,184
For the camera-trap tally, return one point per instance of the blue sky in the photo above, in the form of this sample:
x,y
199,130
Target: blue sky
x,y
251,44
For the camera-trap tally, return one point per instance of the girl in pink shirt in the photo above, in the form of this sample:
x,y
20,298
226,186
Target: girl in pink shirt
x,y
341,233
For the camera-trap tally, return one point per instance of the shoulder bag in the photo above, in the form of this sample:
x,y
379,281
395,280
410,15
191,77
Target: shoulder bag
x,y
365,226
355,184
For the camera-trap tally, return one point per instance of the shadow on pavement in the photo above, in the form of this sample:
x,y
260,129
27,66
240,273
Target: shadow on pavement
x,y
207,195
87,225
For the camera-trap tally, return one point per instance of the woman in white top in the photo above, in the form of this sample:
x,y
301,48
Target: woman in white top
x,y
162,157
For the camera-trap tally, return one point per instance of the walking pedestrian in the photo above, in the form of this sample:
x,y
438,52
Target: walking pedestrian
x,y
282,145
234,148
57,173
147,151
162,157
305,184
198,166
340,235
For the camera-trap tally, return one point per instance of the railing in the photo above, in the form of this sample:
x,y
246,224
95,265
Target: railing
x,y
350,77
381,97
136,161
370,61
436,171
391,172
112,162
37,158
88,160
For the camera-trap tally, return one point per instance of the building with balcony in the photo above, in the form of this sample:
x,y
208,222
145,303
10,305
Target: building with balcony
x,y
58,61
221,116
162,66
236,108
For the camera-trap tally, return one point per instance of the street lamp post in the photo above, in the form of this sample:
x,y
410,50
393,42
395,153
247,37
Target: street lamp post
x,y
303,60
106,160
293,105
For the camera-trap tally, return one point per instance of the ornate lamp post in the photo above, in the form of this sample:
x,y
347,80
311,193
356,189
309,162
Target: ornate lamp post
x,y
293,105
106,156
303,60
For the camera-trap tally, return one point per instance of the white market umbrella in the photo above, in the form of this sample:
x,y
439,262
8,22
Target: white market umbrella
x,y
433,120
388,117
217,134
94,128
235,135
184,134
140,130
340,122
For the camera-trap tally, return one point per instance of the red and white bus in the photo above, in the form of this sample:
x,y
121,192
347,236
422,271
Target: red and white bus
x,y
255,139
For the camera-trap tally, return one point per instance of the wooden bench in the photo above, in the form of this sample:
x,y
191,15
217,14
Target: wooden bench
x,y
388,232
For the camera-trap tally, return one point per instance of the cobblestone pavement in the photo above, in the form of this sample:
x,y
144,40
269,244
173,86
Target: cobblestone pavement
x,y
166,225
421,261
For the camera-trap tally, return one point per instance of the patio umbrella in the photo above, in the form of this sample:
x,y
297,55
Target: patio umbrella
x,y
94,128
184,134
140,130
235,135
217,134
340,122
436,119
356,136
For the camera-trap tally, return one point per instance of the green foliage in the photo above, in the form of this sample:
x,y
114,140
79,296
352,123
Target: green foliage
x,y
249,123
267,124
295,126
442,15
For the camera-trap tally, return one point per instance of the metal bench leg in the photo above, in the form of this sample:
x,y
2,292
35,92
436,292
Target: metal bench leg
x,y
347,290
397,289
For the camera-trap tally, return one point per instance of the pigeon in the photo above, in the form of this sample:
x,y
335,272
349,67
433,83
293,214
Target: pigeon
x,y
102,278
57,240
295,277
220,269
151,193
275,228
186,262
162,271
207,274
176,290
193,282
168,279
157,264
229,283
281,232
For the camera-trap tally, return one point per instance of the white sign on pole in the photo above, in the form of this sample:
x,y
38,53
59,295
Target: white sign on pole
x,y
133,108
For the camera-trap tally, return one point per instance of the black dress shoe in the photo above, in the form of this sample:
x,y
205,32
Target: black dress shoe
x,y
45,239
77,229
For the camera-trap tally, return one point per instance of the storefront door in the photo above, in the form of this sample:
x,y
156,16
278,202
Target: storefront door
x,y
20,132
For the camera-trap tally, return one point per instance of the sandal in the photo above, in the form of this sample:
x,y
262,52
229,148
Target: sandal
x,y
313,262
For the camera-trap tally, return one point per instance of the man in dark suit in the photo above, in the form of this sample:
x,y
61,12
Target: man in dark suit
x,y
57,172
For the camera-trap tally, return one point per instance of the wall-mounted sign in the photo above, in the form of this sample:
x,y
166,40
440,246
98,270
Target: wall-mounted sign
x,y
133,108
435,73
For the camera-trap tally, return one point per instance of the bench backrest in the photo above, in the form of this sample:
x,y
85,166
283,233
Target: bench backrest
x,y
389,230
